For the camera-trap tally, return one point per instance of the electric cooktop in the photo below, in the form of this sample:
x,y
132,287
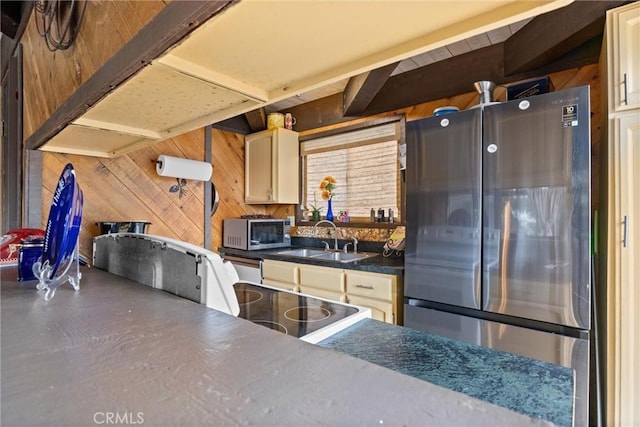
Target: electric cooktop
x,y
311,319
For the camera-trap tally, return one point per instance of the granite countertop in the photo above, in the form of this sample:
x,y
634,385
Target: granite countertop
x,y
119,348
528,386
378,264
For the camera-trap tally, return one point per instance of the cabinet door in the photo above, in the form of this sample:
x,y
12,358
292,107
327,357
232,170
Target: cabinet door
x,y
258,152
379,292
326,278
272,167
286,168
624,296
380,310
279,271
323,293
370,285
626,57
281,285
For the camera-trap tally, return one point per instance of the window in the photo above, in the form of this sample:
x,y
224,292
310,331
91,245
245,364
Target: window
x,y
365,165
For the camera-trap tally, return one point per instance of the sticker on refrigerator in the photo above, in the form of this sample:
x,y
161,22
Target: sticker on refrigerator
x,y
570,115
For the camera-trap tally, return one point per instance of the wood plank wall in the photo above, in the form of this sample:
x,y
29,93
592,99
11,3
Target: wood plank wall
x,y
51,77
127,187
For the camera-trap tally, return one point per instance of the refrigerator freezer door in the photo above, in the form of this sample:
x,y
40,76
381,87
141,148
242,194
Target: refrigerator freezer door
x,y
442,255
548,347
536,178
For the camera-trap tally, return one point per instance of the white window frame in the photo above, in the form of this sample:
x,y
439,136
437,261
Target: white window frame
x,y
372,132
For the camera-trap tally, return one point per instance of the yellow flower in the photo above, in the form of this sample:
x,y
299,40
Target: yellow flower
x,y
327,185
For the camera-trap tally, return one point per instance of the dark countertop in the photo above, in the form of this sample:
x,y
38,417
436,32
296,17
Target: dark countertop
x,y
534,388
119,348
378,264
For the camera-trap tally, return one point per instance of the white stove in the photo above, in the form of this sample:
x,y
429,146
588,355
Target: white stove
x,y
309,318
199,274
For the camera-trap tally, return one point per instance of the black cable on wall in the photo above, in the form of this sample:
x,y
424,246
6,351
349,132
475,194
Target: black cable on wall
x,y
59,21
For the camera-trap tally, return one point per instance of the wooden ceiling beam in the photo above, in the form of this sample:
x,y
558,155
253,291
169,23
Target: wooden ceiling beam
x,y
319,113
439,80
173,23
257,119
577,46
551,35
236,124
361,89
456,75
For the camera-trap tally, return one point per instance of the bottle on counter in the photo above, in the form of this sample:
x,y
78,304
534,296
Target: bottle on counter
x,y
380,215
373,215
390,215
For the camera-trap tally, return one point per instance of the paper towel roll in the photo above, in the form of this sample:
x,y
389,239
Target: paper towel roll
x,y
183,168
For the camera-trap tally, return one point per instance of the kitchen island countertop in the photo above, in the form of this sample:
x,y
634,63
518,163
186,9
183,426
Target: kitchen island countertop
x,y
378,264
528,386
119,348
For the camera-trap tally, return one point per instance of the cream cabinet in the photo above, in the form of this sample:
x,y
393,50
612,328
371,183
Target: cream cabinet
x,y
271,167
379,292
623,51
324,282
620,69
281,275
382,293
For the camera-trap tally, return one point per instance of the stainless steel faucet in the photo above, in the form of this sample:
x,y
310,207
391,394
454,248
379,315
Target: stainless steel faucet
x,y
335,239
355,246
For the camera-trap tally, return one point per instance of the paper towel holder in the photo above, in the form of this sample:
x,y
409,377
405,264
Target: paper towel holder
x,y
179,187
178,167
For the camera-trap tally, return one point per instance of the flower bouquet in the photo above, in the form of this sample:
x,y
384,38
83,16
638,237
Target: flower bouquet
x,y
328,185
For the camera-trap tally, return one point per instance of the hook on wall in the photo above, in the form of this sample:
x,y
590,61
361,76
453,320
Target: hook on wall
x,y
182,169
179,187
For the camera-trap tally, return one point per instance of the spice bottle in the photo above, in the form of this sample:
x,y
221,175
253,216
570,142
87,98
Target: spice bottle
x,y
390,215
380,215
373,215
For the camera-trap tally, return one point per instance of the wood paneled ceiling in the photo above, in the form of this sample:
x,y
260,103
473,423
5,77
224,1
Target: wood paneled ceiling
x,y
265,53
564,38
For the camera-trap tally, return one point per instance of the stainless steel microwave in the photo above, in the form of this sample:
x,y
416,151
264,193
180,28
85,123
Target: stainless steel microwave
x,y
254,234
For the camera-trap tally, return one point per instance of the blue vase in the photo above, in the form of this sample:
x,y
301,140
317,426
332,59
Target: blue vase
x,y
329,216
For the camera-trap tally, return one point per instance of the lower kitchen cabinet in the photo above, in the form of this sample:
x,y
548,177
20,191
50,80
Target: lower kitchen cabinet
x,y
281,275
380,310
379,292
324,282
323,293
382,293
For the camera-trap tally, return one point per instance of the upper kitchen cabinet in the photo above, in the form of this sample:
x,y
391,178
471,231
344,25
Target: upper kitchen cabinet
x,y
620,150
271,167
623,35
198,63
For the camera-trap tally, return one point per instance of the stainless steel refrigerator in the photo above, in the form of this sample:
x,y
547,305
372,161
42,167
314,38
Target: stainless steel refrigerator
x,y
498,229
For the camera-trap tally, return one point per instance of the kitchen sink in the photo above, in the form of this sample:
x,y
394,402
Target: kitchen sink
x,y
345,257
303,253
328,255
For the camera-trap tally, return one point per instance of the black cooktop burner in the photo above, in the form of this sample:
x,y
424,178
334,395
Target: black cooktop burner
x,y
248,296
307,314
272,325
294,314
